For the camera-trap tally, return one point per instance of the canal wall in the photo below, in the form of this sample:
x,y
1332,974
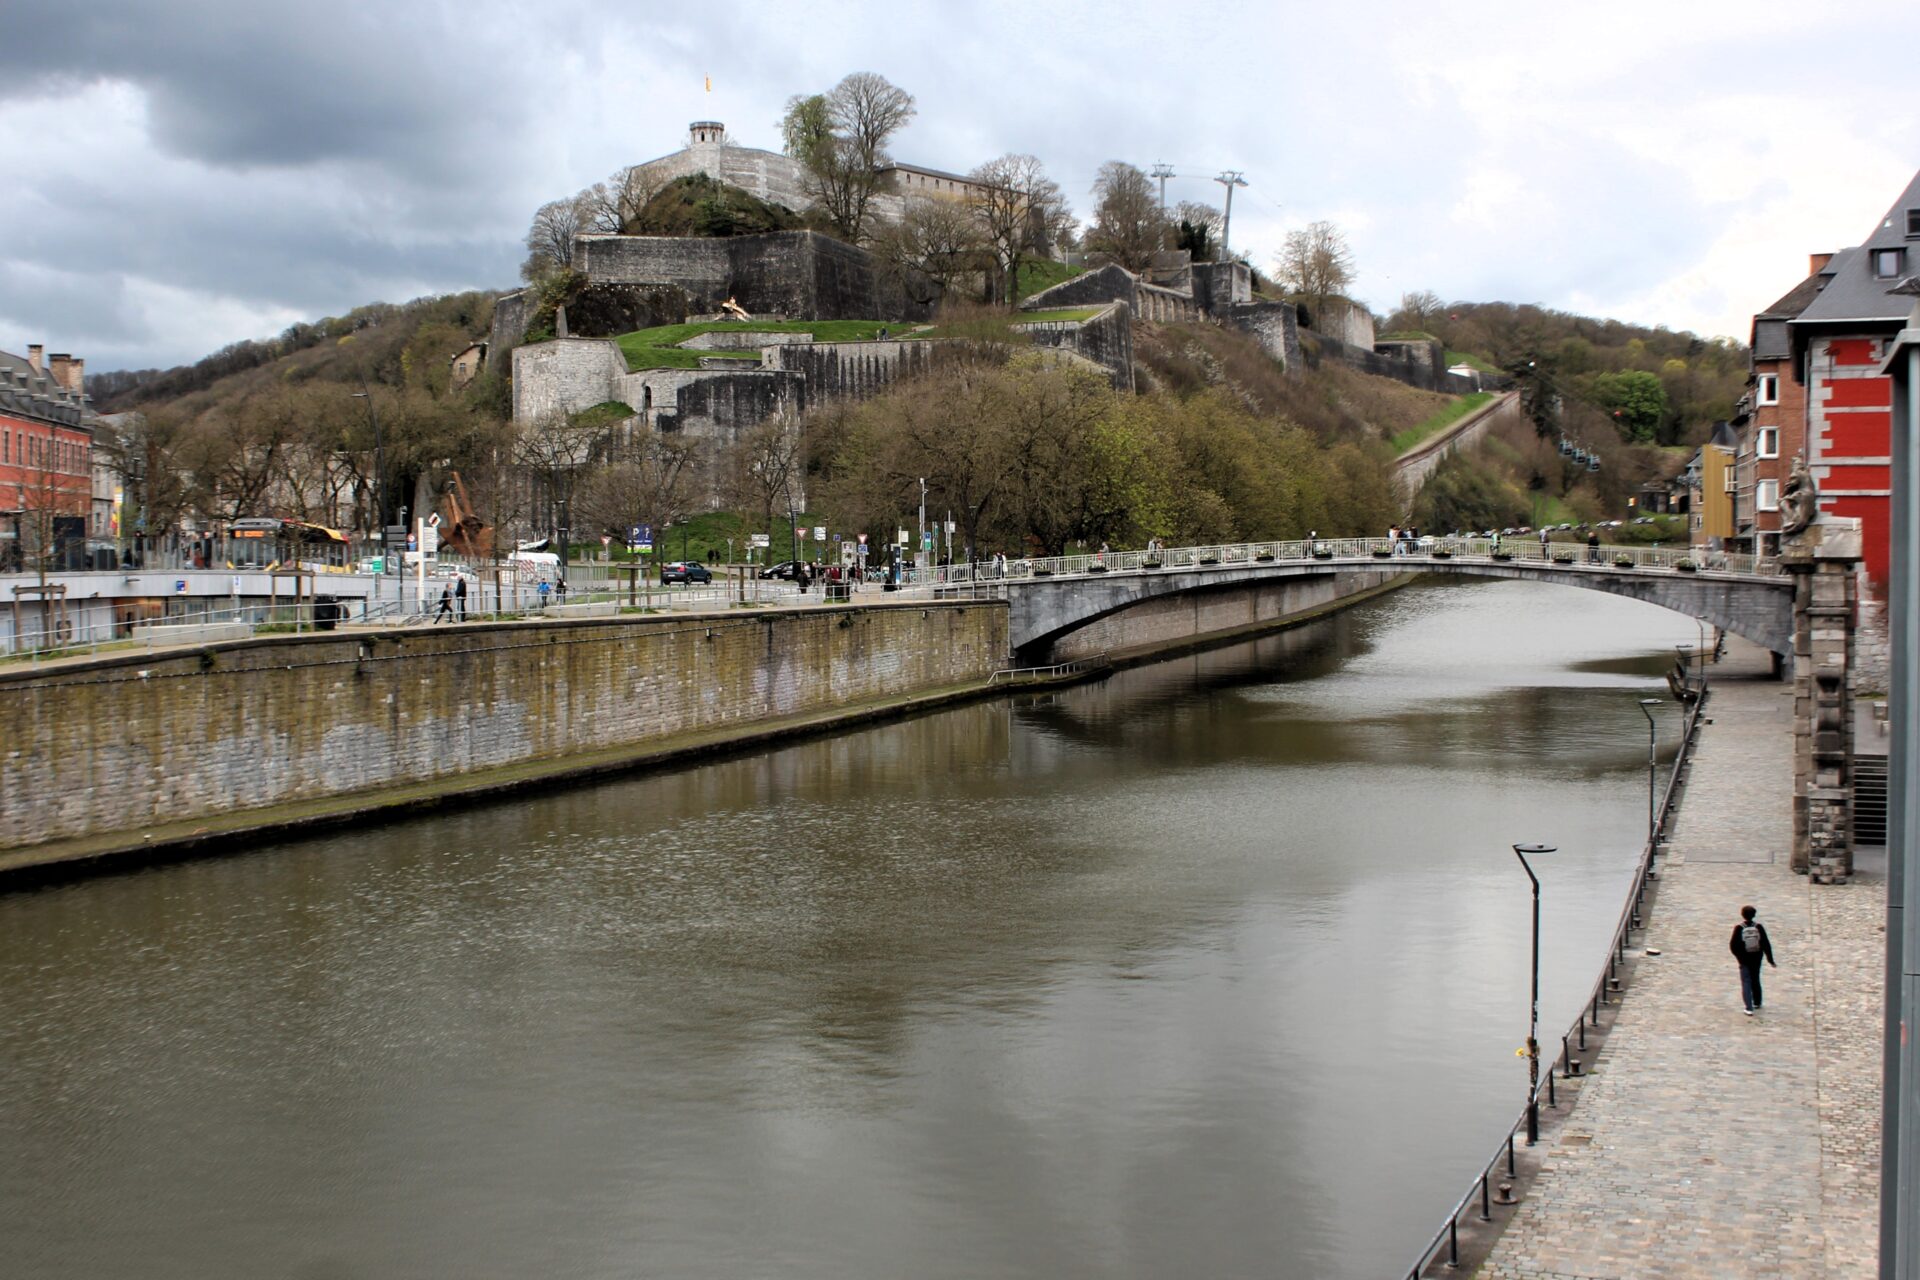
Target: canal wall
x,y
1169,624
196,745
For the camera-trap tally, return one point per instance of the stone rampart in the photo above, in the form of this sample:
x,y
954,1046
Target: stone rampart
x,y
1105,340
792,274
1275,324
112,750
565,375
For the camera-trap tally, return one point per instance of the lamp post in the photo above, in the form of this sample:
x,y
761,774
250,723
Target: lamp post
x,y
1646,709
379,471
1521,851
1700,621
1686,673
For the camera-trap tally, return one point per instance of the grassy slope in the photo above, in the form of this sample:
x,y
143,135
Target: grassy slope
x,y
1439,420
657,348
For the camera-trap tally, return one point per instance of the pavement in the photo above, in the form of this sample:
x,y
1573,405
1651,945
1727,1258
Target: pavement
x,y
1707,1143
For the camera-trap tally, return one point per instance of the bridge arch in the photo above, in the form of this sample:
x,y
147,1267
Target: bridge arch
x,y
1044,611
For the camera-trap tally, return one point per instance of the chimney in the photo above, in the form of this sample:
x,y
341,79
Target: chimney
x,y
60,365
33,356
1817,262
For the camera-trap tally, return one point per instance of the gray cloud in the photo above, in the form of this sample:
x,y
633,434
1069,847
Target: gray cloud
x,y
188,173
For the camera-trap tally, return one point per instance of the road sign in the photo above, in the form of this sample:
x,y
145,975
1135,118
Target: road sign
x,y
429,537
396,535
759,539
433,521
180,585
902,539
863,539
819,533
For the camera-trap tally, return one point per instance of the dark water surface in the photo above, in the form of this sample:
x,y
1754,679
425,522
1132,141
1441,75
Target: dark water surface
x,y
1216,968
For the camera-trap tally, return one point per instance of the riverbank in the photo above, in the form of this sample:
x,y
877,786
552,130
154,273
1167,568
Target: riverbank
x,y
308,721
1707,1142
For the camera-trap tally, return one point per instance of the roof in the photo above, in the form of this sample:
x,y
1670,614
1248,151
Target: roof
x,y
1770,340
1852,293
932,173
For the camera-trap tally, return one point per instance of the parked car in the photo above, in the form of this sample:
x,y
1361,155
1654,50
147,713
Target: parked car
x,y
786,569
686,573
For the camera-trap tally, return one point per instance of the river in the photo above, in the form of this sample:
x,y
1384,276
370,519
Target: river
x,y
1215,968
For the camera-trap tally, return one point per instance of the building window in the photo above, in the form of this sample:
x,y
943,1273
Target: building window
x,y
1888,263
1766,495
1768,444
1913,224
1768,388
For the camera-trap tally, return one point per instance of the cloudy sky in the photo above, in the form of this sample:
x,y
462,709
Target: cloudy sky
x,y
185,174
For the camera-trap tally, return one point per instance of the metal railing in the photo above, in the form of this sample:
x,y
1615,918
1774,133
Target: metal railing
x,y
1572,555
1058,670
1606,990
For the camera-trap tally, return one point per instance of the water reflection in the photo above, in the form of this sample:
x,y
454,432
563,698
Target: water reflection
x,y
1207,969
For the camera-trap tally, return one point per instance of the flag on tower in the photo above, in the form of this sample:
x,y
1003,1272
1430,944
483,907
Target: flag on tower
x,y
709,84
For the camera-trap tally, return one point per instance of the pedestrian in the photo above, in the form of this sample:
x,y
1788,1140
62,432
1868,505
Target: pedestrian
x,y
1543,544
460,595
1750,945
544,588
560,589
1593,546
446,604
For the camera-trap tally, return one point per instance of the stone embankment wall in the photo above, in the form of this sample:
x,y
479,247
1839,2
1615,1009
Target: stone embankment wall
x,y
1105,339
1412,468
124,747
793,274
1203,617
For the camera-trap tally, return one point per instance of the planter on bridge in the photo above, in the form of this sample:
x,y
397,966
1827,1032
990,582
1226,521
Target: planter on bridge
x,y
1149,564
1264,557
1563,559
1209,559
1503,555
1443,555
1382,553
1323,555
1096,568
1685,566
1623,562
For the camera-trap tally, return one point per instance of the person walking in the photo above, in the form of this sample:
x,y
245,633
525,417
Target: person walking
x,y
1593,546
545,587
460,595
446,605
1750,945
1543,544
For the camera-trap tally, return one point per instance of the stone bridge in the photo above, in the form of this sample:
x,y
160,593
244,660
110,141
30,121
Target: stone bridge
x,y
1051,601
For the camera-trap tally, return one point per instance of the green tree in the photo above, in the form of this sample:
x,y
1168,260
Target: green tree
x,y
1635,399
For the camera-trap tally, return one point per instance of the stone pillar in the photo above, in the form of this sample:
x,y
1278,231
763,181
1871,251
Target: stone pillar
x,y
1824,563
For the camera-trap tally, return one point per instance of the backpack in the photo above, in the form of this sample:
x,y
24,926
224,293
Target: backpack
x,y
1750,937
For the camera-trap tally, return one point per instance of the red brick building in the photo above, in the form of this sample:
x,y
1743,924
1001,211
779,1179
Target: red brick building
x,y
1838,342
46,456
1772,419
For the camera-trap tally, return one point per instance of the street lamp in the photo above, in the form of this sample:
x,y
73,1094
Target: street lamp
x,y
1686,672
1700,621
379,470
1646,709
1532,1050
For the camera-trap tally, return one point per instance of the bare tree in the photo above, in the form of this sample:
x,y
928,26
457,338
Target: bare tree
x,y
554,449
840,138
550,237
651,480
1128,226
935,245
761,466
1015,205
1197,228
1315,264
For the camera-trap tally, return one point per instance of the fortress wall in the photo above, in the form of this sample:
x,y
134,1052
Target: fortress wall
x,y
565,376
1275,324
1106,340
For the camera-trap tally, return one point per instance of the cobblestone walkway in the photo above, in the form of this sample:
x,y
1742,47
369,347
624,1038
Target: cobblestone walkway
x,y
1709,1143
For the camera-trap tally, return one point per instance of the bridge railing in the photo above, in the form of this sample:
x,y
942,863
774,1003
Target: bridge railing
x,y
1519,549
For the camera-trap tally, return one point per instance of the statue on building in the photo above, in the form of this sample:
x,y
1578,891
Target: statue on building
x,y
1799,500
